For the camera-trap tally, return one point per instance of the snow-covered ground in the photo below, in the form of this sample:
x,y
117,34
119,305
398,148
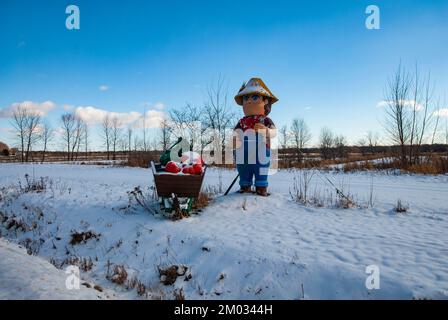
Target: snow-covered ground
x,y
29,277
240,246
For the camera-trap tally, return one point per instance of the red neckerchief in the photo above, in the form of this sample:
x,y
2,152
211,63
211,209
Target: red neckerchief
x,y
248,122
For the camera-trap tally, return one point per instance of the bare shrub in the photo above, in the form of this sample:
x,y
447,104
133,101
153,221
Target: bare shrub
x,y
84,264
400,207
301,186
345,201
168,275
83,236
134,283
32,246
179,294
141,289
119,275
145,199
300,192
17,223
33,185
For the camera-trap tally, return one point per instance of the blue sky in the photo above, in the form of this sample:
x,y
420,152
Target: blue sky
x,y
316,56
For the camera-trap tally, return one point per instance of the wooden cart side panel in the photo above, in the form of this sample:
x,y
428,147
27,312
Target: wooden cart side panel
x,y
181,185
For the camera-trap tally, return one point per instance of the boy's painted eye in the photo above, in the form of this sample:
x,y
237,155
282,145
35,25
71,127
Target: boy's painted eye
x,y
255,98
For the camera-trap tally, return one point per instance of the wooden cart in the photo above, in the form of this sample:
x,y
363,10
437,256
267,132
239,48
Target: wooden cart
x,y
176,189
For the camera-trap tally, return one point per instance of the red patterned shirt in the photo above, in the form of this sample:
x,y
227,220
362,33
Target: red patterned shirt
x,y
248,122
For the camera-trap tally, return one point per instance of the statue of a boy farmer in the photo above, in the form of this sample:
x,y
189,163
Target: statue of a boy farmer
x,y
252,136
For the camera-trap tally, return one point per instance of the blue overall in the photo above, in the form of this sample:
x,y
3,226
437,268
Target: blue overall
x,y
255,163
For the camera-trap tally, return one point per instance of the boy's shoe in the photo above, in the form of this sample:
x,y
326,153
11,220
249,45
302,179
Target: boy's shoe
x,y
247,189
262,191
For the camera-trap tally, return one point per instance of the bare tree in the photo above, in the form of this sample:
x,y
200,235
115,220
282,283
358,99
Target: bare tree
x,y
129,139
138,144
436,126
74,130
362,143
154,143
326,143
115,135
217,113
425,119
165,134
32,131
188,123
144,143
300,136
107,133
78,137
26,124
284,136
398,123
46,135
372,139
446,131
408,115
19,122
340,143
68,126
86,140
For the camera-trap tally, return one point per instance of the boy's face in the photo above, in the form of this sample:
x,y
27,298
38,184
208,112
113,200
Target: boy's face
x,y
253,105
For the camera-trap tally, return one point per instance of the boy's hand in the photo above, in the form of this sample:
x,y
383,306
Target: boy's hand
x,y
260,127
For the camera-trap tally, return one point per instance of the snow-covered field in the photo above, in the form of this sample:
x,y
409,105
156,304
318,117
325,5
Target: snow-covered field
x,y
240,246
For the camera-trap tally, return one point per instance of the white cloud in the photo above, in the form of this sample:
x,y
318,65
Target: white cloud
x,y
441,112
103,88
40,108
153,119
68,107
94,116
159,106
406,103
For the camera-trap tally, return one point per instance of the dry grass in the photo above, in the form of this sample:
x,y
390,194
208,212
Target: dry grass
x,y
202,201
142,159
430,165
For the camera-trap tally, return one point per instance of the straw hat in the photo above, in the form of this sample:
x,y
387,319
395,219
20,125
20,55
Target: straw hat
x,y
255,85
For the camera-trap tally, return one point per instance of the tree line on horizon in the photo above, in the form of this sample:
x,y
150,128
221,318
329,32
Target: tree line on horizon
x,y
412,119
